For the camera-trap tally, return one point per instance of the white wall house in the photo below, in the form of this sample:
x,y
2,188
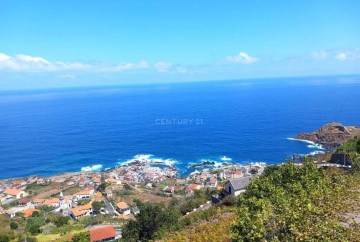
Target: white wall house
x,y
238,185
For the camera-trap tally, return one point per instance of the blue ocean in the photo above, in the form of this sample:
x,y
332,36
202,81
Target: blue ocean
x,y
46,132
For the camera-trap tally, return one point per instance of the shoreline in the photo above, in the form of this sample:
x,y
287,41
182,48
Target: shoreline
x,y
151,160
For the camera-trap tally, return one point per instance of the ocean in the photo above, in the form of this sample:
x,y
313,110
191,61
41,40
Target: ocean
x,y
46,132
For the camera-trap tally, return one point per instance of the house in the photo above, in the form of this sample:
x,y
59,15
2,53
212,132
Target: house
x,y
237,186
341,159
14,193
28,212
169,189
123,208
81,211
108,192
52,202
106,233
38,201
10,213
98,197
85,194
24,201
213,183
178,188
192,187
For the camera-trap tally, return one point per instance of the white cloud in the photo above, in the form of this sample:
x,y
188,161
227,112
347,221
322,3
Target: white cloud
x,y
27,63
27,58
341,56
241,58
162,66
320,55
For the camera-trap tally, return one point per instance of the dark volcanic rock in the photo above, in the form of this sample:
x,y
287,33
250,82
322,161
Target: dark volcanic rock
x,y
331,135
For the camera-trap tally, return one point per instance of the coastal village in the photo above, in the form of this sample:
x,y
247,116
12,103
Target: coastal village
x,y
101,203
115,191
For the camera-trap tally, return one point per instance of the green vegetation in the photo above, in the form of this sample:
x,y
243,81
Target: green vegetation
x,y
295,203
351,146
81,237
14,226
83,201
153,218
97,206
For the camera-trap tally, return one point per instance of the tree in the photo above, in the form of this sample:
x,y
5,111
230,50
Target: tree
x,y
14,225
34,223
81,237
97,206
152,219
61,221
101,188
358,145
355,162
4,238
291,203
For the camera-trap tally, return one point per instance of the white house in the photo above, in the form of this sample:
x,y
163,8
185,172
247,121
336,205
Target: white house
x,y
238,185
14,193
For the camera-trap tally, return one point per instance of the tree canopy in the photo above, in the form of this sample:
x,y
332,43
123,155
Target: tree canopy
x,y
291,203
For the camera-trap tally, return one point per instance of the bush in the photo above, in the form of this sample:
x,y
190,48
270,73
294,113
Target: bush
x,y
14,225
291,203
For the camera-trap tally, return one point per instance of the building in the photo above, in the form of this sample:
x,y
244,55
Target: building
x,y
192,187
98,197
52,202
38,202
14,193
24,201
81,211
123,208
99,234
213,183
85,194
236,186
64,202
28,212
108,192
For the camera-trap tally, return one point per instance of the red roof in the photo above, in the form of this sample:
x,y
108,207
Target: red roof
x,y
99,234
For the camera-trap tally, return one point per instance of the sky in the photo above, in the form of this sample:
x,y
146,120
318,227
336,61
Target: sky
x,y
50,44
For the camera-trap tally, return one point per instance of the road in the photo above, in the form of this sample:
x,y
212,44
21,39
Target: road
x,y
109,207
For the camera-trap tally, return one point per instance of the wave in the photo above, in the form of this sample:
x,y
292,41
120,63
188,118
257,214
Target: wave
x,y
311,145
97,167
225,158
149,159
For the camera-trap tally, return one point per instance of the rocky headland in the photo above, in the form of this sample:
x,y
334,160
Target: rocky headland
x,y
331,135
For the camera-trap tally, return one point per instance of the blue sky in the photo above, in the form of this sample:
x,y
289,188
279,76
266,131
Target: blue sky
x,y
45,44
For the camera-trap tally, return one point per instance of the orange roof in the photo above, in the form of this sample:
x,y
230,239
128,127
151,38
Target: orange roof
x,y
81,210
13,192
192,187
51,201
100,234
28,212
38,200
85,207
122,205
85,191
98,195
77,212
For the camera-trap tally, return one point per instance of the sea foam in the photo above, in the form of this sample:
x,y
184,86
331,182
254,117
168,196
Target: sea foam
x,y
97,167
311,144
149,159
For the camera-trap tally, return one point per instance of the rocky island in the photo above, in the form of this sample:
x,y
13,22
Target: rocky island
x,y
331,135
